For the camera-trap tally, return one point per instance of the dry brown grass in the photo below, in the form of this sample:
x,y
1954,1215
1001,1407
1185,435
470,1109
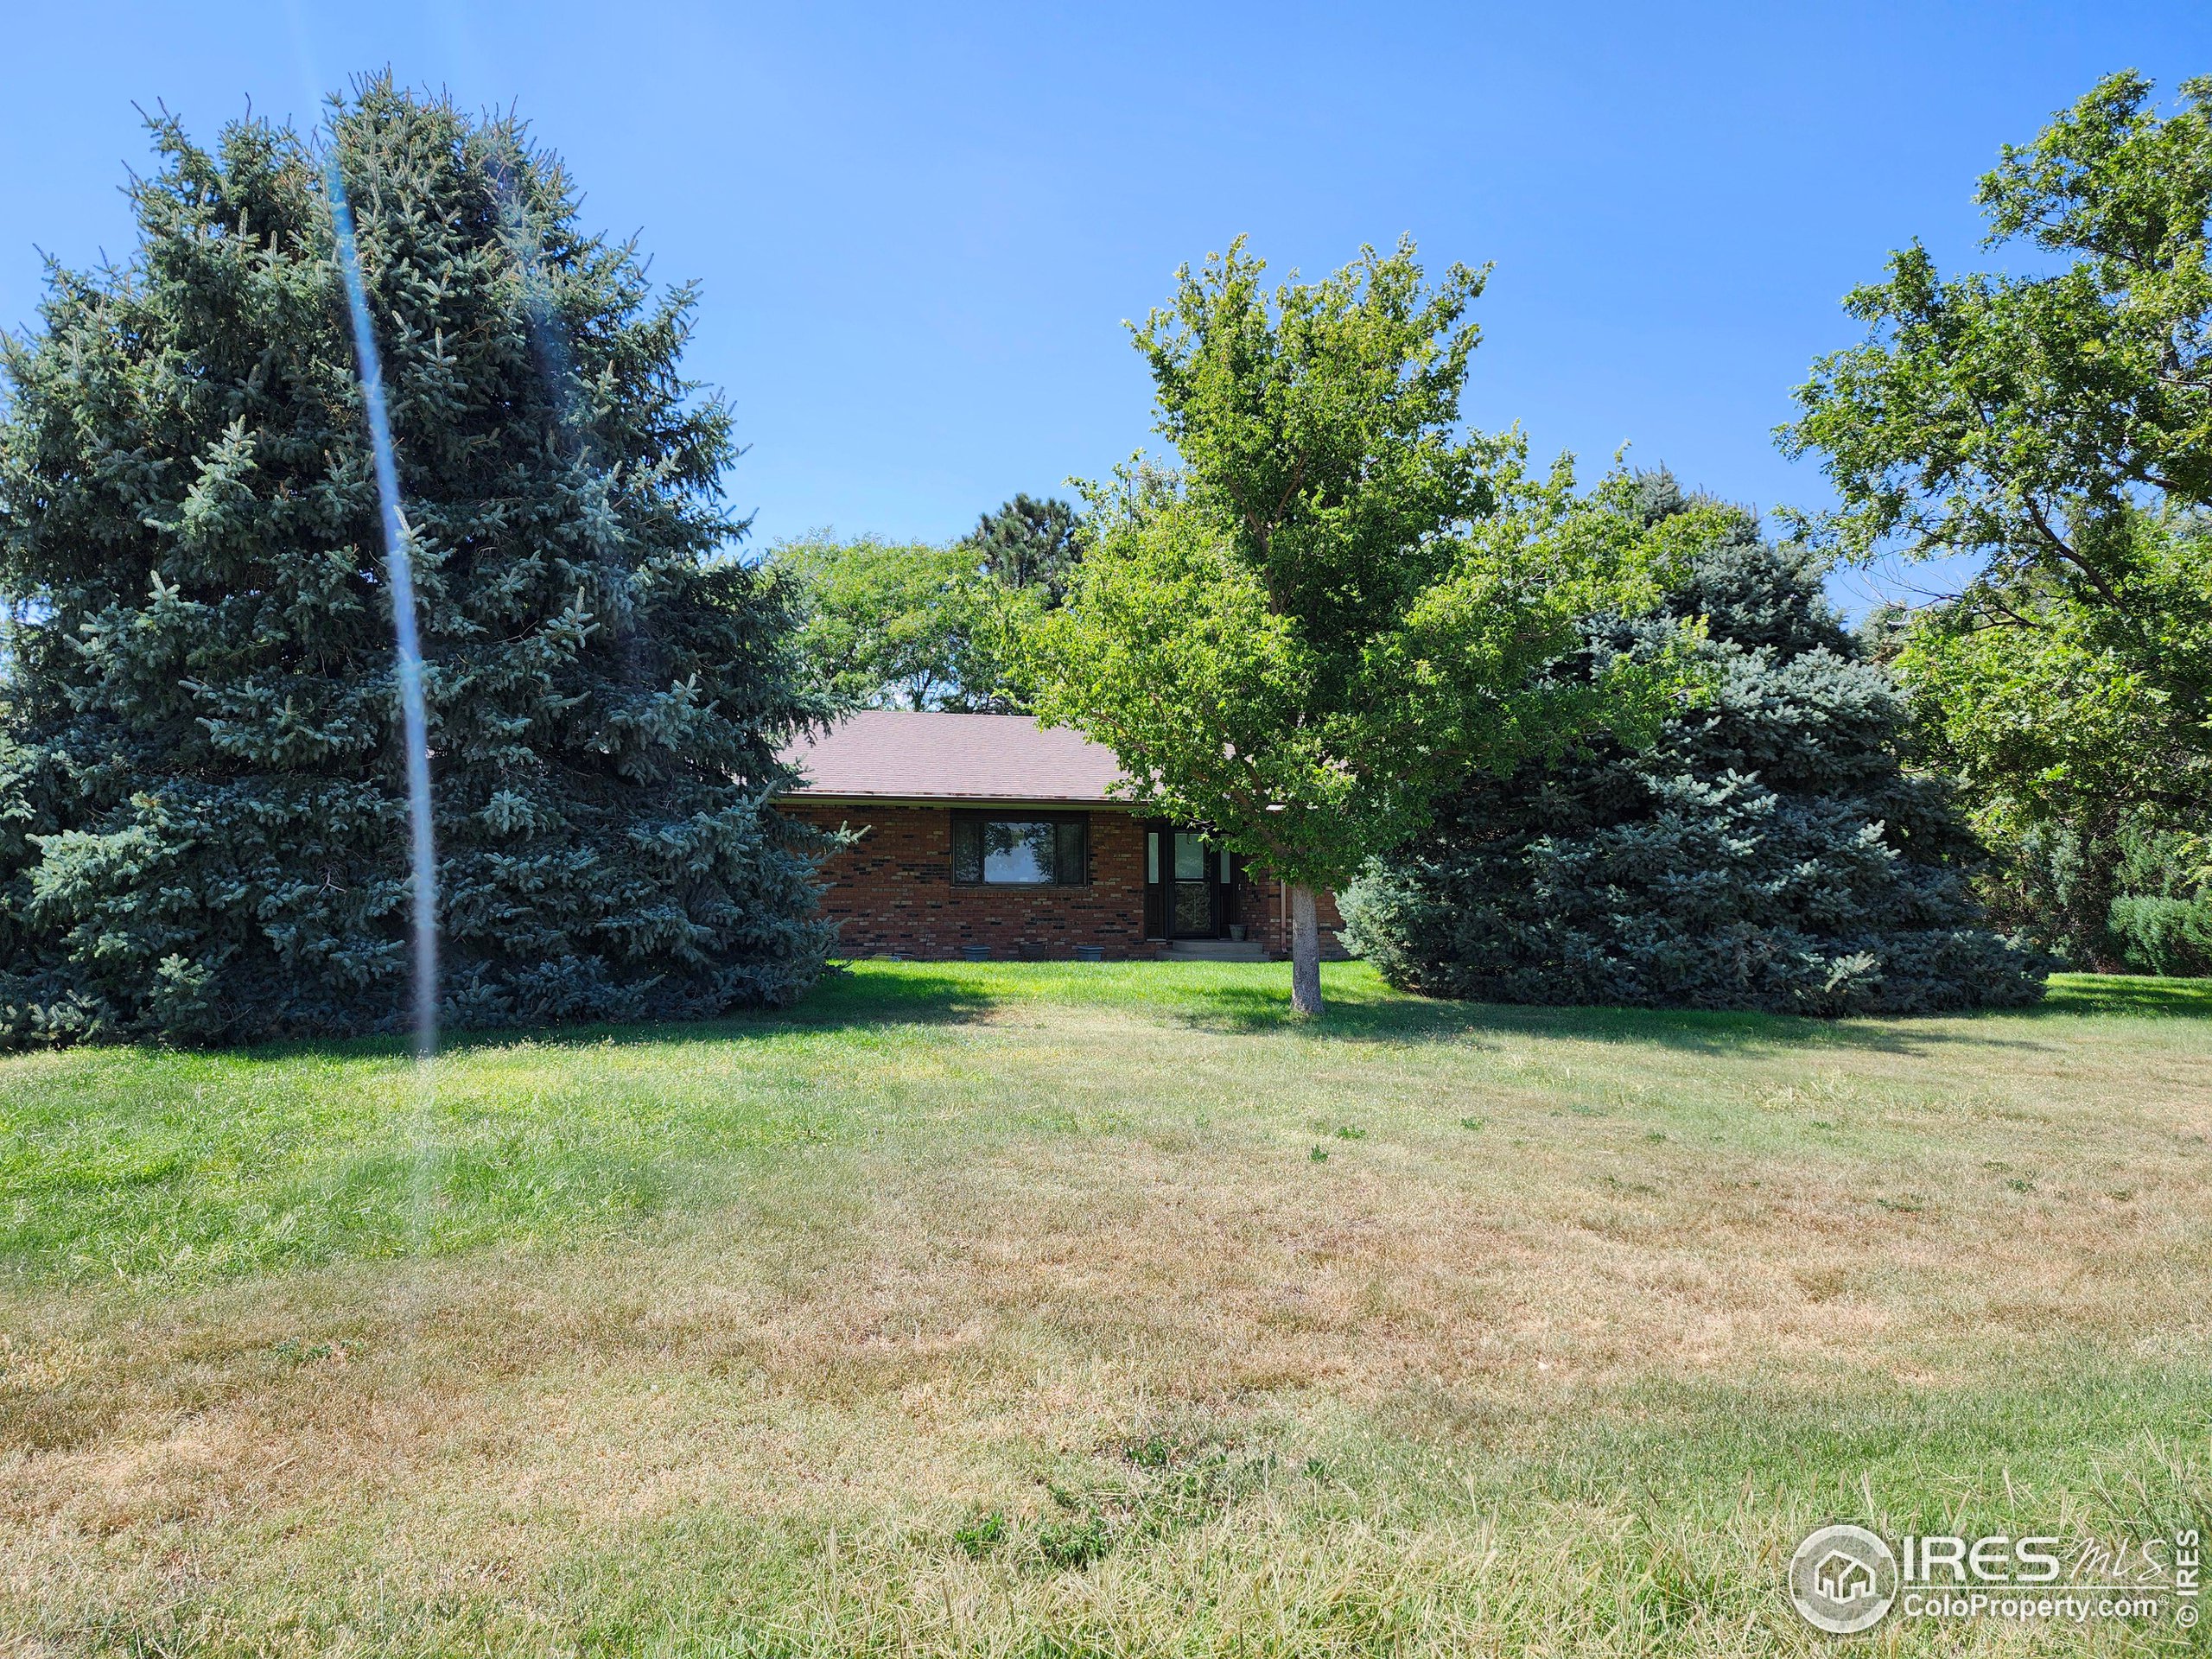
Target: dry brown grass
x,y
1572,1379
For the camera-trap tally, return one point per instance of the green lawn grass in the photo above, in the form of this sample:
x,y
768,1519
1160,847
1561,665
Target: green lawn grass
x,y
1089,1308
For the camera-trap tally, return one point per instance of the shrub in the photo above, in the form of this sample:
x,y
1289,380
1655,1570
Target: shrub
x,y
1768,852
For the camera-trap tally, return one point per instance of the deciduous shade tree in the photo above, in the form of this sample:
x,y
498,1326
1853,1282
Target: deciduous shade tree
x,y
1336,603
202,826
883,625
915,624
1767,852
2066,722
2057,429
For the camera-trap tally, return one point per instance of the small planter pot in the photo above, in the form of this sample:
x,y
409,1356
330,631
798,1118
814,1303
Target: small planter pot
x,y
1236,931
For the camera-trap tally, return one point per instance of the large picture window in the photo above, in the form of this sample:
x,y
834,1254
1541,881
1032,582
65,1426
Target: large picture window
x,y
1020,849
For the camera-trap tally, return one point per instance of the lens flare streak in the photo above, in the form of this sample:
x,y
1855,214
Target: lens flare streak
x,y
400,571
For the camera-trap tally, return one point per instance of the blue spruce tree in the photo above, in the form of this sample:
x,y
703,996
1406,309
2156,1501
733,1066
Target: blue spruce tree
x,y
202,813
1767,853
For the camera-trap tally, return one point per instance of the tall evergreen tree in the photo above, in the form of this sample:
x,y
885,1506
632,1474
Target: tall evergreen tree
x,y
1030,544
1769,852
203,821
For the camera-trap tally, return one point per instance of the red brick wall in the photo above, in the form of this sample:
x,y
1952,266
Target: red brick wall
x,y
1267,921
894,892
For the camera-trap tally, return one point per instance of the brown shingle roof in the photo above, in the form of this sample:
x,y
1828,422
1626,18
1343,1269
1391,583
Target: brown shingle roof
x,y
889,754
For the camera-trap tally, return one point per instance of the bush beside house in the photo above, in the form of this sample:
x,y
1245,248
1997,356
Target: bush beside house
x,y
1767,853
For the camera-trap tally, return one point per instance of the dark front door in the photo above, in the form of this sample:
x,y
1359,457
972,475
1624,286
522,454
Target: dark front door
x,y
1194,894
1188,889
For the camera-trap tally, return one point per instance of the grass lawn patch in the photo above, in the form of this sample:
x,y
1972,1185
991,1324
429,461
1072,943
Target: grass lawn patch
x,y
1090,1308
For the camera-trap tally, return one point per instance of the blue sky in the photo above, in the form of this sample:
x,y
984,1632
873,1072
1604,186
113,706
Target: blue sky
x,y
918,228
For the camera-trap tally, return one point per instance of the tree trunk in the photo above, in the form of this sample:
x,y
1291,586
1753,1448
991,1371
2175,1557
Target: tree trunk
x,y
1305,953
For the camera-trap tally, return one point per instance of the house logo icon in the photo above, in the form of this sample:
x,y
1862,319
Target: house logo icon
x,y
1840,1577
1843,1579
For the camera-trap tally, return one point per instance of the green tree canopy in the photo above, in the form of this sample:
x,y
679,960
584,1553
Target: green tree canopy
x,y
916,625
2066,722
2057,427
1029,545
2004,415
885,625
1333,605
202,813
2048,703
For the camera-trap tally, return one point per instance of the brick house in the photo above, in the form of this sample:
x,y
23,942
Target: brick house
x,y
991,834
